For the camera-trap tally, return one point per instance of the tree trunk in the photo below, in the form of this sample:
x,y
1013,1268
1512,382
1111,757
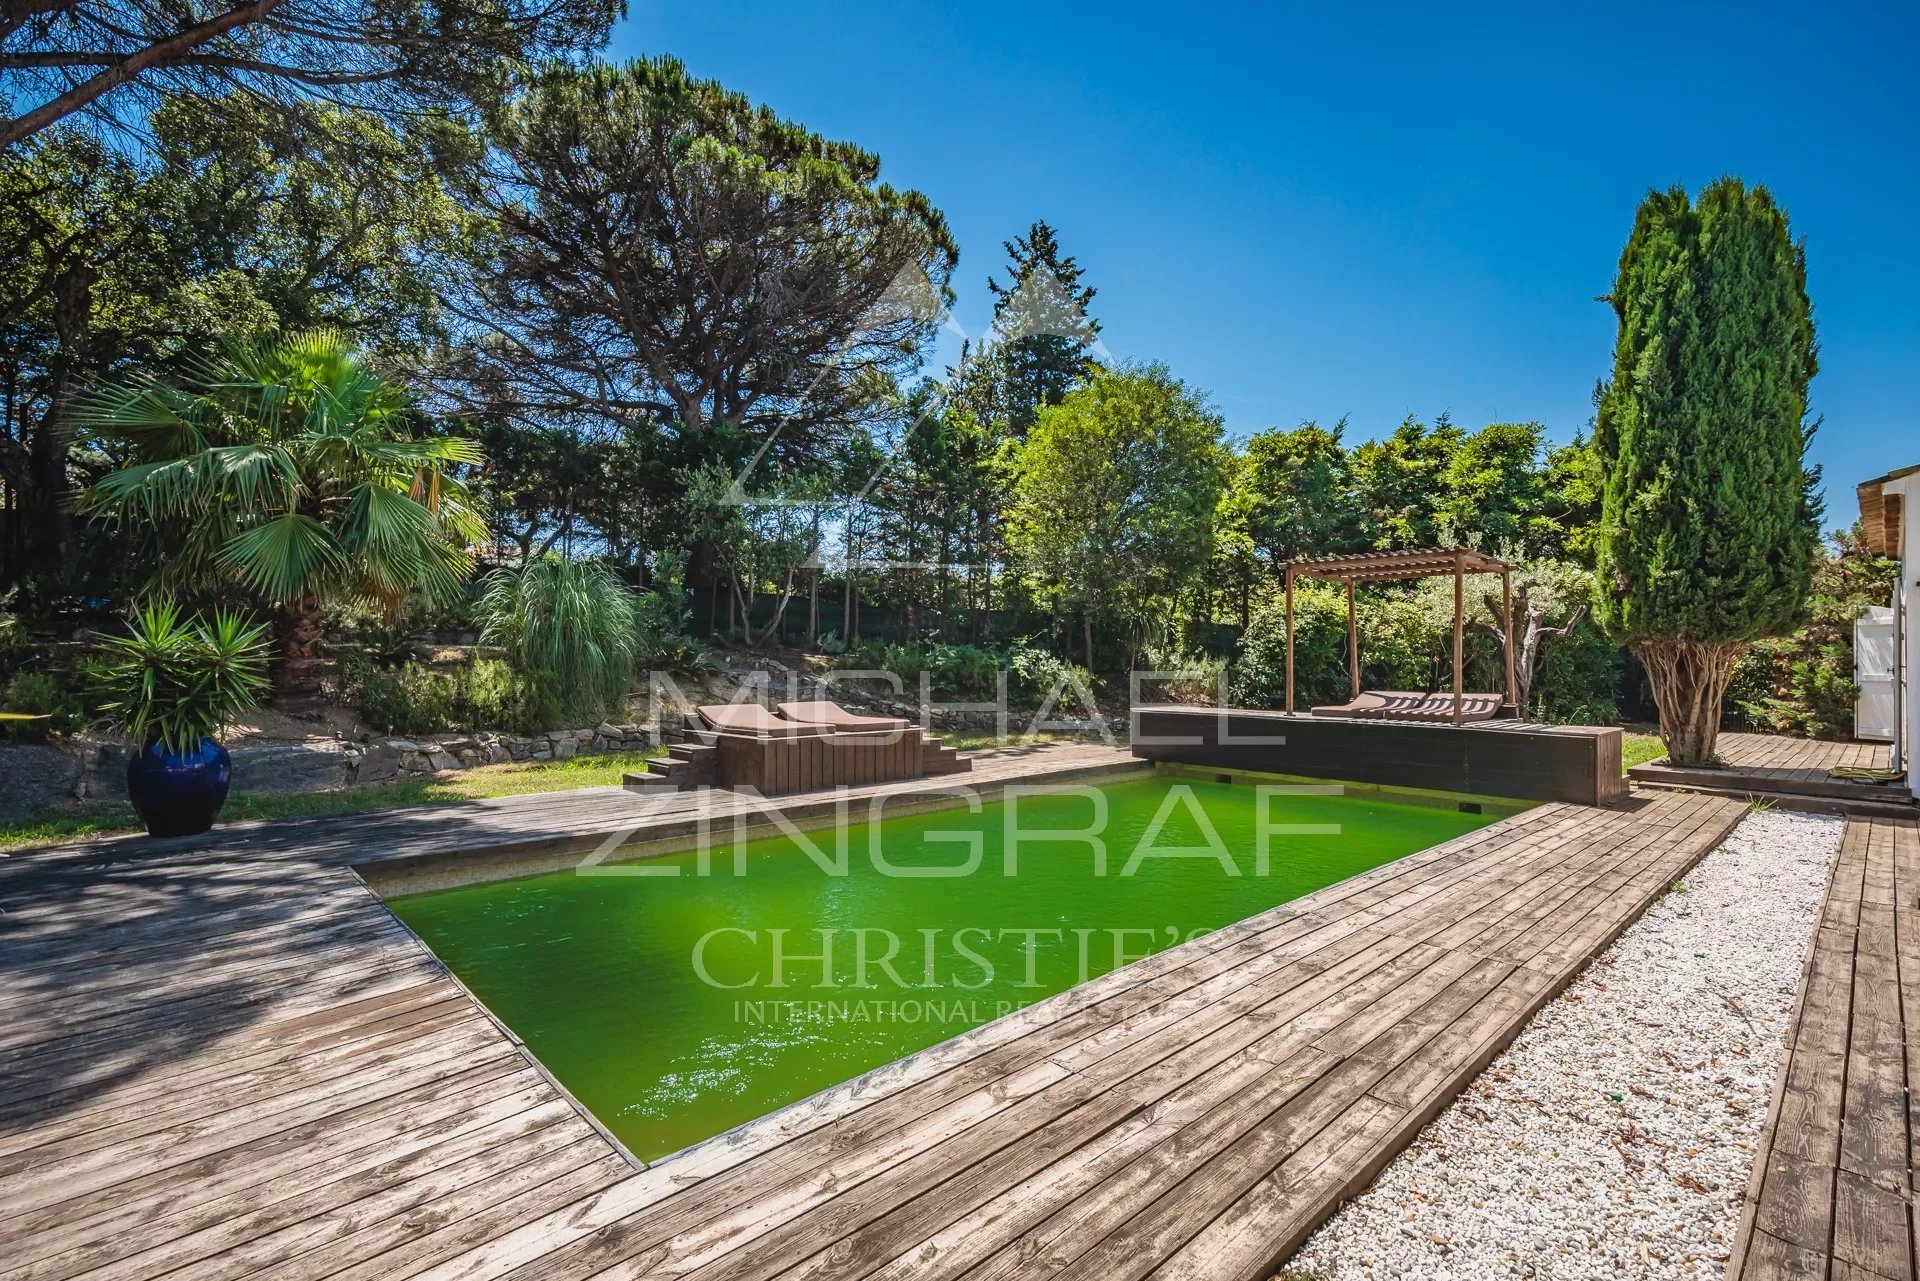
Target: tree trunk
x,y
1689,680
813,610
72,322
1086,631
299,629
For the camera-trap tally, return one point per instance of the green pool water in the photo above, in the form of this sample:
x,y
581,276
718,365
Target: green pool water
x,y
680,1003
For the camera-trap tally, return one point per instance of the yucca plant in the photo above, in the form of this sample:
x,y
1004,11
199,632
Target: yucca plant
x,y
174,680
288,467
573,620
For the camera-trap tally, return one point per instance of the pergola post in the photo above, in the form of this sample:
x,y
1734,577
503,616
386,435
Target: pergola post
x,y
1289,640
1353,646
1506,632
1459,637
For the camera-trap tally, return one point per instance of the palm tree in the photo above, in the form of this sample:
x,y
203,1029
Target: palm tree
x,y
288,467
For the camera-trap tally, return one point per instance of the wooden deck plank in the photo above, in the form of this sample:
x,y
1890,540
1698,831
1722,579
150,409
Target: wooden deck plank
x,y
255,1070
1832,1194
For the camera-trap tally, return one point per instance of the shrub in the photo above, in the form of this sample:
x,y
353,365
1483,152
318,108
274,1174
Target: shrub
x,y
416,699
1576,679
1196,679
1803,683
42,693
574,620
1034,673
1259,675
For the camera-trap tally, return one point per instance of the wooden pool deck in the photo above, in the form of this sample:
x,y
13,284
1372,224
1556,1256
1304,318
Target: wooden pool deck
x,y
1832,1193
225,1058
1790,772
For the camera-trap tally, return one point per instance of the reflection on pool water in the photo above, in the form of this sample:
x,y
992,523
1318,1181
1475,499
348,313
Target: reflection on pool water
x,y
704,992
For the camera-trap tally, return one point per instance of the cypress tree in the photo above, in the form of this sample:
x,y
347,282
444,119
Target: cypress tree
x,y
1709,519
1041,322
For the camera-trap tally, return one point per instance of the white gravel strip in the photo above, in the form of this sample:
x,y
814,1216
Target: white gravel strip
x,y
1614,1138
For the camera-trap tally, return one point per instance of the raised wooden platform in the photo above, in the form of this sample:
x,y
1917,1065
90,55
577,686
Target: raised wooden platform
x,y
1790,772
1832,1195
226,1059
1576,763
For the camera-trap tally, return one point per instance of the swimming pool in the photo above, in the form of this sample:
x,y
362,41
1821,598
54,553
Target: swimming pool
x,y
684,995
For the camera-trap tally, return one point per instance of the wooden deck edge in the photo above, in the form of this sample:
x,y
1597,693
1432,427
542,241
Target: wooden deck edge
x,y
650,837
1799,802
1735,778
1501,1036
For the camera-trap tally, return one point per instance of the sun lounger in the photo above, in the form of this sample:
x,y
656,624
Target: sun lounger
x,y
1374,704
1403,705
750,718
1439,708
823,712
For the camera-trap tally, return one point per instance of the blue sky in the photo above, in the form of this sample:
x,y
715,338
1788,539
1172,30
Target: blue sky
x,y
1317,212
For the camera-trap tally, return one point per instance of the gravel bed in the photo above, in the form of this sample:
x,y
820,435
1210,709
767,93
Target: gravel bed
x,y
1614,1138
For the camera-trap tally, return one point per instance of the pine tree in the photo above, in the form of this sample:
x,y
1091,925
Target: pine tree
x,y
1041,325
1709,519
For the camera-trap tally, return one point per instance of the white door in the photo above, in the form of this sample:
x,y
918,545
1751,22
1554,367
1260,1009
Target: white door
x,y
1875,711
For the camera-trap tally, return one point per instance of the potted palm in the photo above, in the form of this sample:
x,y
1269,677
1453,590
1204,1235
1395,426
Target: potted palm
x,y
170,685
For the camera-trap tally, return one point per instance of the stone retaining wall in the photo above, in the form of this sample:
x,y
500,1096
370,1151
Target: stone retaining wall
x,y
40,776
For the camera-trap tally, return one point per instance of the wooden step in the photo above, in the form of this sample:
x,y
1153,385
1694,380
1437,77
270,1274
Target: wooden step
x,y
1801,801
1734,780
937,758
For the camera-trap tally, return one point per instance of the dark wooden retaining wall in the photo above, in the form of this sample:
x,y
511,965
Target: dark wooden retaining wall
x,y
1576,763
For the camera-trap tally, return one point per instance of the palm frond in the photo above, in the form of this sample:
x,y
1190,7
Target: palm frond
x,y
285,558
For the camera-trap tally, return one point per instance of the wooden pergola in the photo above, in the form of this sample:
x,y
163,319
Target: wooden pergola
x,y
1430,562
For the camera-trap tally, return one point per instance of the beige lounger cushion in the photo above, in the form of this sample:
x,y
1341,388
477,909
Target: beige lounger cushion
x,y
822,712
750,718
1374,703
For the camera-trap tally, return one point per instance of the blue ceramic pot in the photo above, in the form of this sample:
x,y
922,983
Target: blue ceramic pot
x,y
179,794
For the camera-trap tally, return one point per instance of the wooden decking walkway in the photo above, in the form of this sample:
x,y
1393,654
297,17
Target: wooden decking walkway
x,y
1833,1187
231,1061
1793,772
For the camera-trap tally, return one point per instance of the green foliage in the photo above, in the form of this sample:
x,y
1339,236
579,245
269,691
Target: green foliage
x,y
416,699
1709,518
1041,325
294,217
483,694
1576,679
290,467
760,537
1114,494
1193,678
1290,494
53,694
174,680
1259,673
1034,674
1396,483
710,200
1802,683
575,622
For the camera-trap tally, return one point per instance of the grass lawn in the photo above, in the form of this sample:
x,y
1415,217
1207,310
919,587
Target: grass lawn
x,y
108,818
1641,748
984,740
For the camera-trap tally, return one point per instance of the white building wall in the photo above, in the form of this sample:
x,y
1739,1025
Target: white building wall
x,y
1908,487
